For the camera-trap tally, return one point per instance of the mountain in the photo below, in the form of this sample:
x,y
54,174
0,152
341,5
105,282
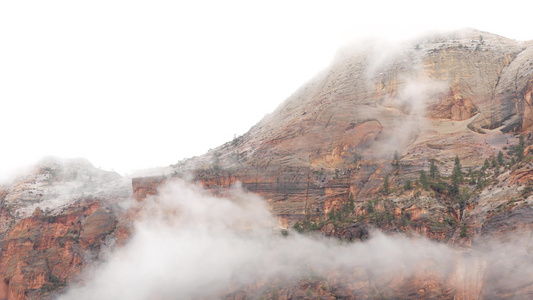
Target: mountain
x,y
465,94
54,221
340,156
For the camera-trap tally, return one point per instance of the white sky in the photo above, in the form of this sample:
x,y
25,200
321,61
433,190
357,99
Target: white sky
x,y
139,84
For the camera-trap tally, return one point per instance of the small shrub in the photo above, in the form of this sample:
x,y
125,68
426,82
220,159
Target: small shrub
x,y
408,185
463,232
386,186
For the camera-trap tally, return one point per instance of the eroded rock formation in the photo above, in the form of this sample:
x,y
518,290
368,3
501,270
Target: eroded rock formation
x,y
73,216
379,113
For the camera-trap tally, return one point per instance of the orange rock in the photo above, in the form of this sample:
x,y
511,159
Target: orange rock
x,y
40,254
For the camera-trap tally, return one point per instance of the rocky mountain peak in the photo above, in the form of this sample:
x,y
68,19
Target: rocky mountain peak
x,y
464,94
377,98
429,137
55,183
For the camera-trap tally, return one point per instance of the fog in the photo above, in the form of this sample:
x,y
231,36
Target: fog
x,y
96,79
413,98
405,94
188,243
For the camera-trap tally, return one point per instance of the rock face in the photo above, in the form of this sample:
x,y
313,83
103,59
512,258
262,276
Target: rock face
x,y
73,218
56,182
146,186
344,153
41,254
462,94
386,113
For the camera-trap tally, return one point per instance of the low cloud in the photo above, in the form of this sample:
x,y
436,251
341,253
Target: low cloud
x,y
412,102
189,244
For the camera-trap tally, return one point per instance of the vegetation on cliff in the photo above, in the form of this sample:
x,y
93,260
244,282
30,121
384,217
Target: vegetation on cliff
x,y
392,209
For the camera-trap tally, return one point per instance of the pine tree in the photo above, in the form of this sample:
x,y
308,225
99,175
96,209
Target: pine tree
x,y
457,177
480,183
500,158
454,189
424,180
493,163
386,185
486,165
433,171
457,173
370,206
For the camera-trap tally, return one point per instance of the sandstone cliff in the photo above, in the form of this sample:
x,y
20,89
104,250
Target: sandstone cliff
x,y
385,113
465,93
344,153
54,221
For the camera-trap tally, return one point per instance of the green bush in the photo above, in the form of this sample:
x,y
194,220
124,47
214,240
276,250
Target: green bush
x,y
408,185
463,232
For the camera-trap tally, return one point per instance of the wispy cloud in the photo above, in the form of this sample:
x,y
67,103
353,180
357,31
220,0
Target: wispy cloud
x,y
188,243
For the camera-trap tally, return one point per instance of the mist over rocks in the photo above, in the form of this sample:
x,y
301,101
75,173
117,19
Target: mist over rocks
x,y
54,183
340,161
54,220
385,112
189,244
429,100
